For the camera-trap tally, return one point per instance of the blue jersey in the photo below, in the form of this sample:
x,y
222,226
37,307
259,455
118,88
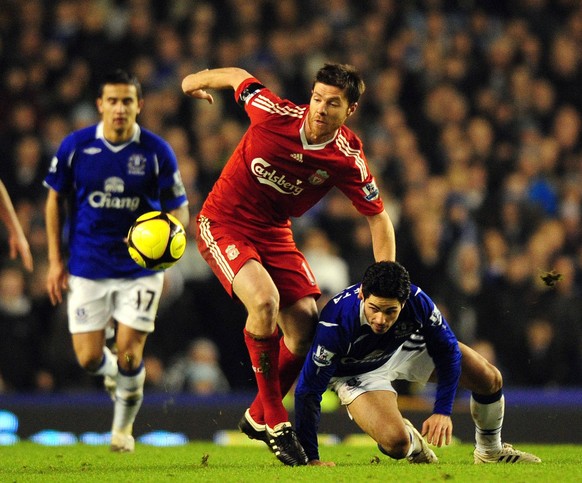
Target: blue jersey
x,y
107,187
345,345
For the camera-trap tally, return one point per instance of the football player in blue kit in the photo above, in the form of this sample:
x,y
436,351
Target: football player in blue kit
x,y
100,180
386,329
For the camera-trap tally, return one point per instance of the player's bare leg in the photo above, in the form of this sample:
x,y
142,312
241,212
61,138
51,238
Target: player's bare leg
x,y
96,358
256,290
377,414
487,410
88,347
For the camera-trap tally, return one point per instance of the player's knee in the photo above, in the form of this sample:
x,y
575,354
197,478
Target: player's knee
x,y
297,345
299,328
265,308
496,379
492,381
90,361
395,444
128,361
302,346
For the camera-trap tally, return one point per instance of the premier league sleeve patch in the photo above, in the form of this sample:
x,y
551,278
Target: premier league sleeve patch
x,y
322,357
371,191
436,318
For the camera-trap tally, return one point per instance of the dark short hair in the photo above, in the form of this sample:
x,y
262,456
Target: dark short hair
x,y
344,76
387,280
119,76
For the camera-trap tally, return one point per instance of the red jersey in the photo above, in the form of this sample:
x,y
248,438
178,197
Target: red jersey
x,y
274,174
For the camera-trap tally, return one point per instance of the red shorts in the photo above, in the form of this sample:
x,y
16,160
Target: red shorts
x,y
226,248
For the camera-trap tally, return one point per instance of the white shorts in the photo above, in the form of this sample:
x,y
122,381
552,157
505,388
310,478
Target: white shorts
x,y
414,366
93,304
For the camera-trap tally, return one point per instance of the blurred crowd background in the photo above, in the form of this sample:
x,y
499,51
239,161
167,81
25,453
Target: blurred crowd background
x,y
471,122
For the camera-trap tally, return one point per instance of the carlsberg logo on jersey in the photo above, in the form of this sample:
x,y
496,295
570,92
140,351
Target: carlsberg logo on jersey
x,y
270,177
107,198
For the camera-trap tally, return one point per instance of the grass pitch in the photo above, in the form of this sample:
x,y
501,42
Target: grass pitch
x,y
207,462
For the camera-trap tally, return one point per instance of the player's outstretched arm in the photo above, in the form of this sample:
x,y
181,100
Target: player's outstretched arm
x,y
16,238
383,237
57,277
195,85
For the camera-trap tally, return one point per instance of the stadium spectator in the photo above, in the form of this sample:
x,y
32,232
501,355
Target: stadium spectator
x,y
543,359
197,371
21,333
330,270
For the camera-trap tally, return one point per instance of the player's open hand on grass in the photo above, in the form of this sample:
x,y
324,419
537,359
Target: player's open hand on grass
x,y
438,429
320,463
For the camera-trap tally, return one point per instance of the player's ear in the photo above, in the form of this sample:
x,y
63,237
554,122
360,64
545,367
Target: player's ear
x,y
99,104
360,294
139,105
352,108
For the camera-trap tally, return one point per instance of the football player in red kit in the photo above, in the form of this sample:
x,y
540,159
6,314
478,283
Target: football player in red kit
x,y
288,159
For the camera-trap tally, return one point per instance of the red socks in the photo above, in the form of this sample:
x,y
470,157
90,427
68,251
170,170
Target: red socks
x,y
264,354
289,367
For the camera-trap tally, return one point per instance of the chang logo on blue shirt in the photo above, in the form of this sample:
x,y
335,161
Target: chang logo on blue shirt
x,y
114,185
403,329
374,356
104,199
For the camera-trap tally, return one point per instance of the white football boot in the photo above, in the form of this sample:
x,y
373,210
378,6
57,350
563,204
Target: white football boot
x,y
425,455
122,443
507,454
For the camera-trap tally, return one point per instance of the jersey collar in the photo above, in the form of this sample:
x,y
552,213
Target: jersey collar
x,y
118,147
363,320
312,147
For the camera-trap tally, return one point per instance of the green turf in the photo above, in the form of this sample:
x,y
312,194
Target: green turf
x,y
204,461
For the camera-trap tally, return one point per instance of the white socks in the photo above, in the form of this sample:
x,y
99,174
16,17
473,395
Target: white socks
x,y
128,394
488,420
108,366
415,444
128,399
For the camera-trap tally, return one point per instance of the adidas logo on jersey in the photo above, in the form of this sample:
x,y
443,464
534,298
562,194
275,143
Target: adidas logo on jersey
x,y
297,157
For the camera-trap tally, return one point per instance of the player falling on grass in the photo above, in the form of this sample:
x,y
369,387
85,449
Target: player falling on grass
x,y
385,329
107,175
288,159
